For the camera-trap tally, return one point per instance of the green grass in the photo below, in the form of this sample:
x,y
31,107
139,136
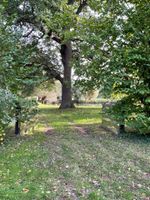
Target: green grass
x,y
69,156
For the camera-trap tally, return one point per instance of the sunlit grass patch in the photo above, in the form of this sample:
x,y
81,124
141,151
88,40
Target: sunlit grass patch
x,y
62,118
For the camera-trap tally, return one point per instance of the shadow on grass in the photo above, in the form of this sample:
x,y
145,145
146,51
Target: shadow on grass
x,y
135,137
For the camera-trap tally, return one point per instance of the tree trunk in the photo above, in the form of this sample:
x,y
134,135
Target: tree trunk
x,y
66,54
17,128
121,129
17,115
122,124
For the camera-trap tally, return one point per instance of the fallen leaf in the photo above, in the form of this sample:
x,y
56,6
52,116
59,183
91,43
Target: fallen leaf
x,y
25,190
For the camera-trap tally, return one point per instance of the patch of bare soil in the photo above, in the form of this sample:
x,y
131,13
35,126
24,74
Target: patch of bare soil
x,y
81,130
49,131
146,176
146,198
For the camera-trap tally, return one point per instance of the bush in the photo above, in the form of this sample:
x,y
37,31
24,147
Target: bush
x,y
130,112
9,112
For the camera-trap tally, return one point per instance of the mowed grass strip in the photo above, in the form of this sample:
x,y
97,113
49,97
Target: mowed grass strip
x,y
69,156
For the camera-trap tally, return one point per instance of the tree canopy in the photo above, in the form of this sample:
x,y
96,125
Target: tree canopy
x,y
118,59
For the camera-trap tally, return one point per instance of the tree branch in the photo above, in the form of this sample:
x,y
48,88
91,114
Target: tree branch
x,y
71,2
52,73
56,39
27,34
82,5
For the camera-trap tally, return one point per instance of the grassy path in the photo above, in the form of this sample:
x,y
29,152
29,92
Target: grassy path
x,y
69,157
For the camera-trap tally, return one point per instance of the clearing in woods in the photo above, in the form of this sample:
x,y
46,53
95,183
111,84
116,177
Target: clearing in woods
x,y
70,157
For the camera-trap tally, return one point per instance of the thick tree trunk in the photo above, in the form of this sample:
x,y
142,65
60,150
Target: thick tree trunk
x,y
66,53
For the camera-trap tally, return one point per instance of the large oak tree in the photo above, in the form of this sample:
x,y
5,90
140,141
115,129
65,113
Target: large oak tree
x,y
54,26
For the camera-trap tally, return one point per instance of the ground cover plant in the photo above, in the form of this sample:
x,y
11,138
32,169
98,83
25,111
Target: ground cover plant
x,y
69,155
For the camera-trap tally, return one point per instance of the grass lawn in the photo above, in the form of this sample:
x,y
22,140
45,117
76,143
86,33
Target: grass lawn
x,y
69,156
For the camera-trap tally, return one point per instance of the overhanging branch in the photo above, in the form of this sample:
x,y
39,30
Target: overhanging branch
x,y
52,73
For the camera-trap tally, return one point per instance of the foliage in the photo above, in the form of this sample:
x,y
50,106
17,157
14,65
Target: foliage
x,y
117,58
6,106
28,108
18,74
6,110
2,135
8,101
